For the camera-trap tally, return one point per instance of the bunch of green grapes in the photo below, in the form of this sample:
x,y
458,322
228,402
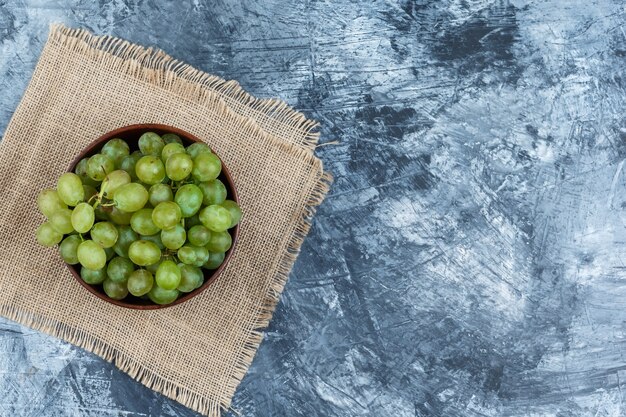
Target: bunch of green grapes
x,y
141,223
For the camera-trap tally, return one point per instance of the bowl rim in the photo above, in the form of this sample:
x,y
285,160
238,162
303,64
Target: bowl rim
x,y
234,232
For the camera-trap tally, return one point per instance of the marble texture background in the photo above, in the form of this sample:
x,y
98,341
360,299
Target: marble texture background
x,y
471,257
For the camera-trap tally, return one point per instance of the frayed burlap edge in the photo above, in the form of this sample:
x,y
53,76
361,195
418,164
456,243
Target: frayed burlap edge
x,y
158,68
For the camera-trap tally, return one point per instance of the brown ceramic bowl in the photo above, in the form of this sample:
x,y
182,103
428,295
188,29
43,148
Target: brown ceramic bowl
x,y
131,135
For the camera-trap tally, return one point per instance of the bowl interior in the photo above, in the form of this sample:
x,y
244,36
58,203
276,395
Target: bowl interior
x,y
131,135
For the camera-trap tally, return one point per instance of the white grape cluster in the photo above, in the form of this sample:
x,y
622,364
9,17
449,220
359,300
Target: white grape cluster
x,y
142,223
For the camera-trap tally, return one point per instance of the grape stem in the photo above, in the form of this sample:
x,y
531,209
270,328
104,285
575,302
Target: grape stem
x,y
169,253
176,185
99,197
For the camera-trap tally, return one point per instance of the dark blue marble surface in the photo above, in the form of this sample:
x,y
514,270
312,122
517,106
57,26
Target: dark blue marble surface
x,y
470,259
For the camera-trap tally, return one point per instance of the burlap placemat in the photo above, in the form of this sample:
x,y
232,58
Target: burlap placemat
x,y
83,86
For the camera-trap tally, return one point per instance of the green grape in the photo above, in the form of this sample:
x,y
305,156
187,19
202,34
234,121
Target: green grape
x,y
178,166
201,280
220,242
130,197
104,234
128,164
99,166
70,189
150,169
202,255
160,296
47,236
142,223
113,181
48,201
191,277
155,238
189,199
110,253
171,138
197,148
199,235
168,275
116,149
89,191
82,218
166,215
101,213
234,210
93,276
118,216
206,167
119,269
215,218
81,171
68,248
140,282
143,252
91,255
151,144
159,193
115,290
81,167
126,236
192,221
153,267
170,149
213,192
174,237
187,255
61,221
215,260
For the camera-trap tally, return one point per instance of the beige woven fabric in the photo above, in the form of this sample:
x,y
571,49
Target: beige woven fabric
x,y
84,86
